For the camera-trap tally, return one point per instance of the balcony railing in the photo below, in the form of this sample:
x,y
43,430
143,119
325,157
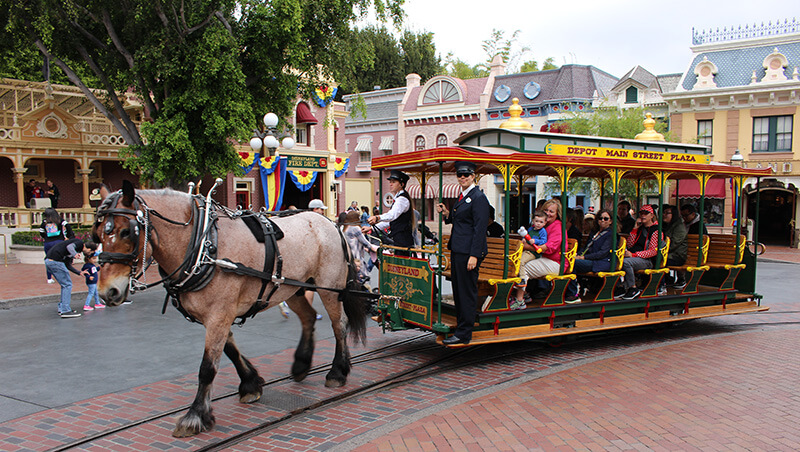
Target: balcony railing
x,y
13,217
746,32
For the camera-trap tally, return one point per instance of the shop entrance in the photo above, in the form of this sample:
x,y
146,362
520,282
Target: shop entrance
x,y
292,196
775,213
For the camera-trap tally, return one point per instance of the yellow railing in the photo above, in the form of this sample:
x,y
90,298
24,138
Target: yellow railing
x,y
14,217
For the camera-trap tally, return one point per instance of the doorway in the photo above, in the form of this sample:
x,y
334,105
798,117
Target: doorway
x,y
775,213
292,196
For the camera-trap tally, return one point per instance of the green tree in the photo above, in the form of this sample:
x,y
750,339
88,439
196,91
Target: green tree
x,y
508,48
533,65
419,55
613,123
203,69
456,67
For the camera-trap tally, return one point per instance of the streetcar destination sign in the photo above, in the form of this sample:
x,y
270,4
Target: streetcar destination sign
x,y
627,154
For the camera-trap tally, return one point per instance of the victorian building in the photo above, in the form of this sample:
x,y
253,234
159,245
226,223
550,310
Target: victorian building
x,y
740,95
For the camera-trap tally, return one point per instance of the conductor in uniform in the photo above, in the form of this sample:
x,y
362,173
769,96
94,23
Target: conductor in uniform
x,y
467,245
400,218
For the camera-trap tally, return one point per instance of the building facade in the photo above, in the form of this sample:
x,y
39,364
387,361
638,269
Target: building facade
x,y
740,95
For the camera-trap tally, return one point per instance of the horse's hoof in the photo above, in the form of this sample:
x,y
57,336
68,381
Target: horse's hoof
x,y
192,424
249,398
334,383
300,377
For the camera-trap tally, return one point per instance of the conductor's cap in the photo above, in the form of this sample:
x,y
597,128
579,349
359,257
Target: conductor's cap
x,y
399,176
465,168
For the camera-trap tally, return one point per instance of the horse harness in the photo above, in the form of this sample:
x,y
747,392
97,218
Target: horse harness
x,y
200,260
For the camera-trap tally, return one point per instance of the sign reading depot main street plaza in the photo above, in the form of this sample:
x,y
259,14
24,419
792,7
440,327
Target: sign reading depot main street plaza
x,y
627,154
412,281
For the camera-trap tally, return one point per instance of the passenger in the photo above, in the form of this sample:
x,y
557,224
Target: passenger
x,y
535,236
692,219
675,230
468,247
624,219
642,248
494,229
589,224
59,263
400,218
550,262
596,257
364,216
53,230
573,225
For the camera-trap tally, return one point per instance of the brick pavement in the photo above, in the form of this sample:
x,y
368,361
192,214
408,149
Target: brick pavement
x,y
725,393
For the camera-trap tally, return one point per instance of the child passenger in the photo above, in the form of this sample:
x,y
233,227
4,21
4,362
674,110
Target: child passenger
x,y
535,236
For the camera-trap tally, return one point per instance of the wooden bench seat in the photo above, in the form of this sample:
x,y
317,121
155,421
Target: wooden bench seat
x,y
724,253
561,280
611,277
492,285
656,274
696,268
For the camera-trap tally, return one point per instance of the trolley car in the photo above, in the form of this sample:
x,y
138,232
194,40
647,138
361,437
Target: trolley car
x,y
720,269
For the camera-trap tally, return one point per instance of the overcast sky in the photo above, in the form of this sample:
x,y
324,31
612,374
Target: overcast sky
x,y
613,35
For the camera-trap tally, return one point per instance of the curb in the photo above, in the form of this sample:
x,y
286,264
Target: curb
x,y
77,297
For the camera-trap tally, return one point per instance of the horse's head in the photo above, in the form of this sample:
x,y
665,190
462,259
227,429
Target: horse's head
x,y
116,228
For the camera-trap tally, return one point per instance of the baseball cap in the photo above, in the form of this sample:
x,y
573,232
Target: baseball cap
x,y
647,208
317,204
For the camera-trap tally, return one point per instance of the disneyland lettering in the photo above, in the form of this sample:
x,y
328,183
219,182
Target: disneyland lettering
x,y
403,270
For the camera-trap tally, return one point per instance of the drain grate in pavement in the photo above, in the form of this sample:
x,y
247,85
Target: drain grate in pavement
x,y
286,402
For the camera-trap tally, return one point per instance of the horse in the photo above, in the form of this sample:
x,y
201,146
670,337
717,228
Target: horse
x,y
134,226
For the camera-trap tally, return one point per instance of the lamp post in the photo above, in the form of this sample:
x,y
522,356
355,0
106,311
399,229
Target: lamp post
x,y
737,159
266,139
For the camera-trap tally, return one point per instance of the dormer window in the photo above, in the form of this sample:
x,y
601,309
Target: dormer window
x,y
439,92
631,95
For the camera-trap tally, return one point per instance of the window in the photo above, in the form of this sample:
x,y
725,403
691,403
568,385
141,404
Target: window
x,y
704,132
772,134
631,95
35,170
244,187
364,149
441,140
440,91
302,134
419,143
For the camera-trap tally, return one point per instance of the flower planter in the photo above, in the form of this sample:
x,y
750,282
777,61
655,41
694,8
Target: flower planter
x,y
28,254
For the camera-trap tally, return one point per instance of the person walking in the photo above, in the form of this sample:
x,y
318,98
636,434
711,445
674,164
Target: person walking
x,y
467,245
59,263
53,230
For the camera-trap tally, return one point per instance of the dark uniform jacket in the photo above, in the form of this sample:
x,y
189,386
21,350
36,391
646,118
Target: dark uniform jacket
x,y
469,218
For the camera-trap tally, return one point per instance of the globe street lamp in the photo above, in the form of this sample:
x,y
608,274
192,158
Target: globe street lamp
x,y
266,139
737,159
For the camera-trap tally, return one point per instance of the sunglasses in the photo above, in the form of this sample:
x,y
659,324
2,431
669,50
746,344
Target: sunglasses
x,y
463,174
604,219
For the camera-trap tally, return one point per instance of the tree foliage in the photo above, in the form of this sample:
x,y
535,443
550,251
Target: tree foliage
x,y
509,49
533,65
456,67
372,57
203,69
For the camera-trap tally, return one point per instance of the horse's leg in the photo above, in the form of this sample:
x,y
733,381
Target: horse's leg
x,y
199,417
250,388
305,349
340,368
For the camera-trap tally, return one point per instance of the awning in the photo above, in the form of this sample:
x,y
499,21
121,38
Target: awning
x,y
690,188
415,190
364,144
451,190
304,115
386,143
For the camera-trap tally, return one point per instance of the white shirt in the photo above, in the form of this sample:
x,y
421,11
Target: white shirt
x,y
400,206
465,192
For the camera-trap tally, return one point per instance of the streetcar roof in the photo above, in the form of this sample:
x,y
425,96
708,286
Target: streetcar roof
x,y
540,153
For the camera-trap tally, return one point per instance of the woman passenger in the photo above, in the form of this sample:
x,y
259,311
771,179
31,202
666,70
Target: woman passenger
x,y
674,228
596,257
550,262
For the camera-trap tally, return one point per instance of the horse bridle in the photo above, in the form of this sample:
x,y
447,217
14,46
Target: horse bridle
x,y
138,215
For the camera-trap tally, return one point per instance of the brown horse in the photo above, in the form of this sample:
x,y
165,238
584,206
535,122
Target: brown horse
x,y
136,225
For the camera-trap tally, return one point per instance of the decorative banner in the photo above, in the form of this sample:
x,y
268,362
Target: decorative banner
x,y
626,154
248,159
273,183
340,166
268,164
324,95
303,179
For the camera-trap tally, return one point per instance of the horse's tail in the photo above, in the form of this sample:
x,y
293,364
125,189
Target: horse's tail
x,y
354,304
